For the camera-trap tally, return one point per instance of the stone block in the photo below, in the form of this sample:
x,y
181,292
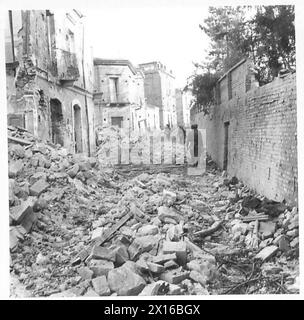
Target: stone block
x,y
38,187
161,259
147,230
85,273
99,252
19,212
166,214
100,286
174,276
121,255
155,268
142,244
142,265
267,253
171,264
101,267
179,248
198,277
125,282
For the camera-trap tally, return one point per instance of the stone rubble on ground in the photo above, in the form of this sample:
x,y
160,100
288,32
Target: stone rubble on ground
x,y
78,228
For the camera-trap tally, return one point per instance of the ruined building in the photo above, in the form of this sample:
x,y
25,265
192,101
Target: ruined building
x,y
252,131
160,91
49,77
119,96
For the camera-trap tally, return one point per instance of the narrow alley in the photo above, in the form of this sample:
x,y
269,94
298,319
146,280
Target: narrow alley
x,y
156,164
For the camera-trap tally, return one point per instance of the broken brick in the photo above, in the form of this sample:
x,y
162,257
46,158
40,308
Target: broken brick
x,y
171,264
179,248
160,259
174,276
155,268
267,253
125,282
38,187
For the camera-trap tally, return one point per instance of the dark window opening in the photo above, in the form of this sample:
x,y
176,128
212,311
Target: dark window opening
x,y
77,129
57,122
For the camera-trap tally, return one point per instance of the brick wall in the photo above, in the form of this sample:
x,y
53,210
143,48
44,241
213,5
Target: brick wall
x,y
262,135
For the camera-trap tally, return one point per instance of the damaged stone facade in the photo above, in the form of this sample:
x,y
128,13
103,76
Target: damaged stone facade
x,y
49,78
252,132
160,91
119,96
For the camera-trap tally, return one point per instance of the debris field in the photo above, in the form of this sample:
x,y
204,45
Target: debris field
x,y
78,228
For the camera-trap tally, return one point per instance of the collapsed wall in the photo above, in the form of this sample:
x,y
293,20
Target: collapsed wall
x,y
254,137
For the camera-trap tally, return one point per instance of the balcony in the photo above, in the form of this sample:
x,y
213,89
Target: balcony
x,y
67,67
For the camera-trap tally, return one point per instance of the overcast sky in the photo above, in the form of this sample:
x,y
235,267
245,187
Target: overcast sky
x,y
143,34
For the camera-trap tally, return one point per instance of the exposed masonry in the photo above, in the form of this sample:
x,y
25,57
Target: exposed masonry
x,y
46,92
262,134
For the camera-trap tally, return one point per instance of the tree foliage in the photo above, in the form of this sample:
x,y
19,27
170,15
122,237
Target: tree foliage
x,y
202,86
266,34
274,41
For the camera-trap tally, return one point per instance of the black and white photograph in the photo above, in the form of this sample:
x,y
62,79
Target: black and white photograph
x,y
150,149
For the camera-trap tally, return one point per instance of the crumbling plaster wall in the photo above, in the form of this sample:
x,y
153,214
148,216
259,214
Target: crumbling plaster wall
x,y
68,97
36,82
262,137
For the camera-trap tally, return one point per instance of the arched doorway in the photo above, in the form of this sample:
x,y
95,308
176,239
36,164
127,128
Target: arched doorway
x,y
77,129
57,134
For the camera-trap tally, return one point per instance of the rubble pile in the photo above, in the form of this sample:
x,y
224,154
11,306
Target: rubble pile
x,y
79,229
